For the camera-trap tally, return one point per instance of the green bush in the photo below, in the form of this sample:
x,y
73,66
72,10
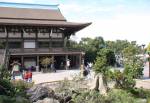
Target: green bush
x,y
120,96
7,87
8,99
21,86
89,97
4,73
140,92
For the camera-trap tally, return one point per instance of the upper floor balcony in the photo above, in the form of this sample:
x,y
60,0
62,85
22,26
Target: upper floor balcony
x,y
42,51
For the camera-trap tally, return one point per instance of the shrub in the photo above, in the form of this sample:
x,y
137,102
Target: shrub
x,y
140,92
120,96
89,97
6,87
4,99
21,86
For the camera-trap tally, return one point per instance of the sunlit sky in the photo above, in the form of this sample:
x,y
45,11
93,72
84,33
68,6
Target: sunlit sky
x,y
111,19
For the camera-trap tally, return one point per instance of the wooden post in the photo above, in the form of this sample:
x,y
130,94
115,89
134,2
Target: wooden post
x,y
38,62
80,61
22,60
66,59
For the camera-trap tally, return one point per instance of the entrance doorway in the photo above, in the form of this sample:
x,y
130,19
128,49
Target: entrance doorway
x,y
30,62
59,62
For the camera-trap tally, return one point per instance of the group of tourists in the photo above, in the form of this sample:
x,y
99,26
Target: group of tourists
x,y
86,70
22,73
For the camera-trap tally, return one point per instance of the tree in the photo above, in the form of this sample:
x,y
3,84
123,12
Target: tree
x,y
91,47
46,61
105,59
133,63
133,67
117,46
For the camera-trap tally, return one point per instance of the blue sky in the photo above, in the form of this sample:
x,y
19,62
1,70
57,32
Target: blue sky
x,y
111,19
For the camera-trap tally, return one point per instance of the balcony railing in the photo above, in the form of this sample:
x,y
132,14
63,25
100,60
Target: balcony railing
x,y
42,50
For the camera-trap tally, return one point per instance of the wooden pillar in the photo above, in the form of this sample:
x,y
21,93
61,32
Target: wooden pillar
x,y
66,59
80,60
22,60
37,63
53,59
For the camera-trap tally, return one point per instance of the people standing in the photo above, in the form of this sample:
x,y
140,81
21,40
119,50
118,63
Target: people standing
x,y
29,75
15,68
53,67
68,64
25,76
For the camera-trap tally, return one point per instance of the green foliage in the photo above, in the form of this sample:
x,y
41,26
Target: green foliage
x,y
89,46
134,68
63,85
130,51
140,92
14,88
89,97
45,62
21,86
4,73
6,88
8,99
120,96
118,46
104,60
148,48
113,96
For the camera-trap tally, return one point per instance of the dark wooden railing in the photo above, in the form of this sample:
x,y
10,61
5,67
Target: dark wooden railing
x,y
41,50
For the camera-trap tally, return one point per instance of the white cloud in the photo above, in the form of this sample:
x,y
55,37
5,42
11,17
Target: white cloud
x,y
130,27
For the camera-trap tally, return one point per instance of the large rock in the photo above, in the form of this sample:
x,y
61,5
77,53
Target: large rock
x,y
39,92
47,100
98,84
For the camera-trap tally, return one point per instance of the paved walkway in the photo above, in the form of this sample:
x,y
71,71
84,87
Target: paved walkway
x,y
145,82
39,77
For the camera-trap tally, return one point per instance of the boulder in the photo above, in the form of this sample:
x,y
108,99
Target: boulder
x,y
39,92
47,100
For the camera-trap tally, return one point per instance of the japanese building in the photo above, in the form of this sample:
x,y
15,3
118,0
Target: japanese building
x,y
32,31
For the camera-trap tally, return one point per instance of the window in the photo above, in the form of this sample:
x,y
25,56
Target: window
x,y
14,45
43,44
56,35
29,44
57,44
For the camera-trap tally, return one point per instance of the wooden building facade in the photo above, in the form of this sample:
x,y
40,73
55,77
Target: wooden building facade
x,y
33,33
